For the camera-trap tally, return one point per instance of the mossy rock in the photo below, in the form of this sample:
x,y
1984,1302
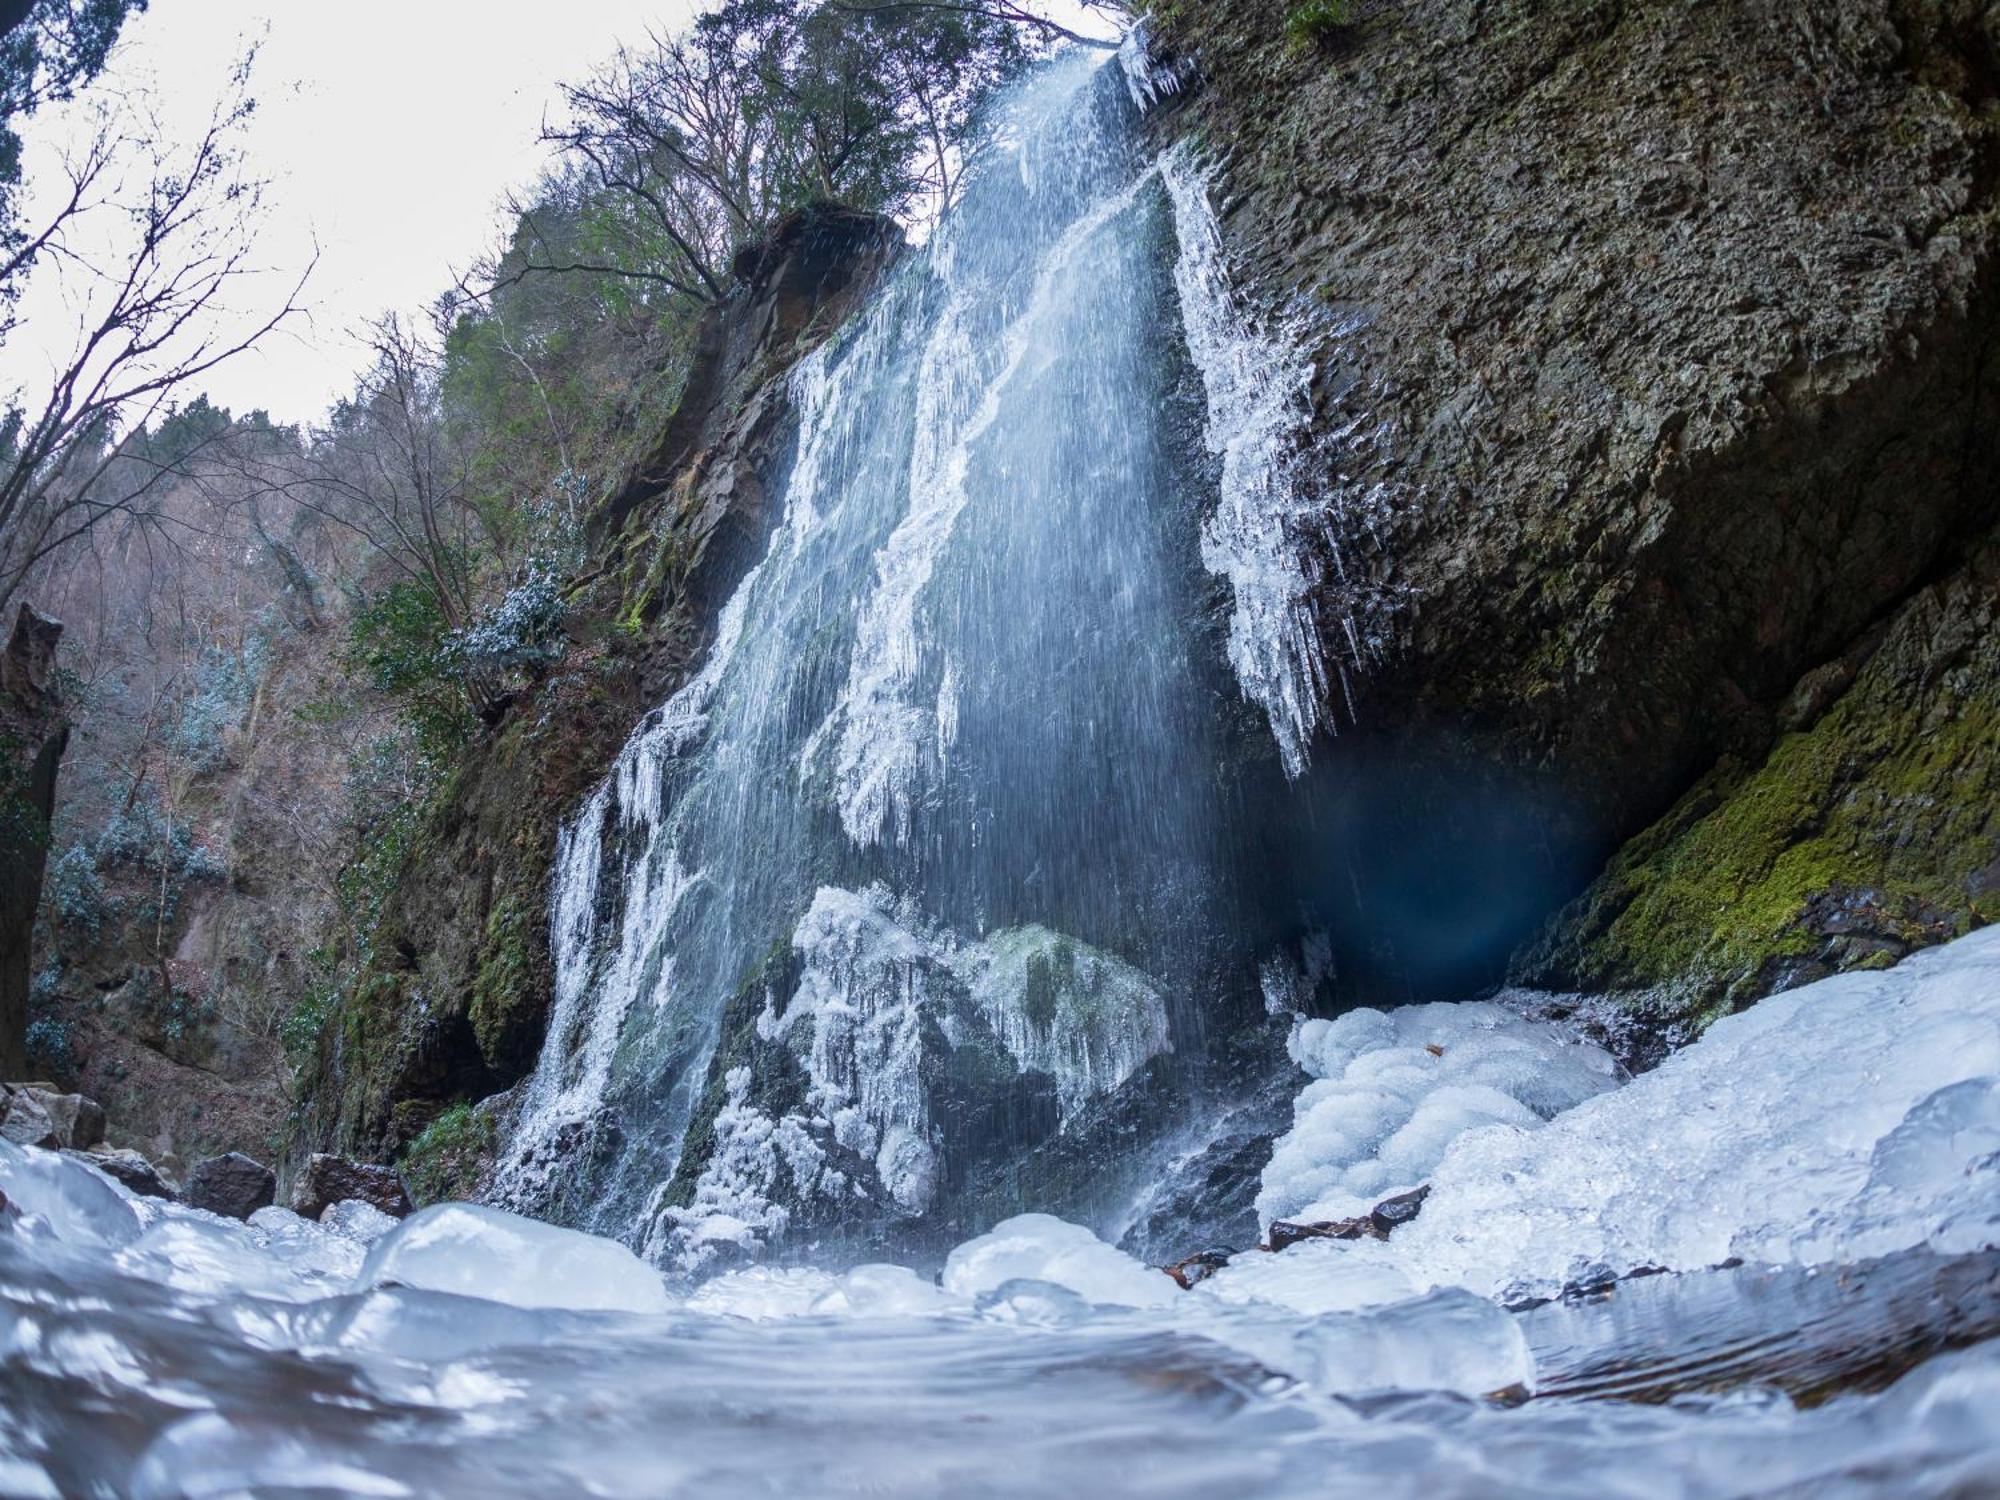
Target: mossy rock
x,y
1868,831
451,1158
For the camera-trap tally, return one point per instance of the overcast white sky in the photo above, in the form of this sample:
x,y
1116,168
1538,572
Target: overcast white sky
x,y
388,130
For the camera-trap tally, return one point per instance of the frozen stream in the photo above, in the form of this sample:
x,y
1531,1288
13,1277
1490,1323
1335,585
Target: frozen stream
x,y
1841,1141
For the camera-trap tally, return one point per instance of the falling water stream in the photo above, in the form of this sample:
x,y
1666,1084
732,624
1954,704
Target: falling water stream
x,y
941,862
940,845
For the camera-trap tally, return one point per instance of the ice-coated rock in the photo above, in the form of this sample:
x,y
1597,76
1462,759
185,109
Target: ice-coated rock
x,y
1041,1247
478,1251
231,1185
129,1170
352,1219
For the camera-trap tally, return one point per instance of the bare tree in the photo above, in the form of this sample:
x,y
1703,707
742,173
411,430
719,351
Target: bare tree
x,y
150,324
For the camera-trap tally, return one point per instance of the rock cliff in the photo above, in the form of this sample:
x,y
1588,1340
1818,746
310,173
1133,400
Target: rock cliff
x,y
1655,425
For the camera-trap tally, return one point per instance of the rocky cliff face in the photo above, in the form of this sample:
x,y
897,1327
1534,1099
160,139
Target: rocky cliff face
x,y
1656,431
452,1003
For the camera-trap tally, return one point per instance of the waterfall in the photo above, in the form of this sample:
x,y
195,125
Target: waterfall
x,y
936,854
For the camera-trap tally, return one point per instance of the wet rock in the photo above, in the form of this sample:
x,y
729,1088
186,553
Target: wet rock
x,y
25,1122
130,1169
1285,1233
232,1185
1192,1270
327,1180
1376,1224
1392,1213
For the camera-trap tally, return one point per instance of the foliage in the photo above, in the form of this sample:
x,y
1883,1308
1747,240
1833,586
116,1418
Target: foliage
x,y
1313,22
447,1159
224,683
51,1047
298,1032
76,892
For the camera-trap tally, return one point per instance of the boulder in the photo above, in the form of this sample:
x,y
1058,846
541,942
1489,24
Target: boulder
x,y
1392,1213
326,1180
25,1122
1376,1224
128,1168
78,1122
1285,1233
232,1185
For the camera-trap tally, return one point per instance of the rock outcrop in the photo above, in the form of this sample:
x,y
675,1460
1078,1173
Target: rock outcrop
x,y
1653,389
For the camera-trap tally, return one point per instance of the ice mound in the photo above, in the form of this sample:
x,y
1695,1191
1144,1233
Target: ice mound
x,y
1041,1247
64,1201
1314,1276
1850,1117
1391,1092
477,1251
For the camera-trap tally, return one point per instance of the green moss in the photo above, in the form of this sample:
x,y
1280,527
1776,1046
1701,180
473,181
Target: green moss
x,y
1858,838
504,986
450,1157
1313,23
779,1082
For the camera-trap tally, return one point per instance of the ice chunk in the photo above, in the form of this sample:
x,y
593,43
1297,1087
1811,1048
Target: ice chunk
x,y
66,1201
1394,1090
478,1251
1041,1247
1447,1341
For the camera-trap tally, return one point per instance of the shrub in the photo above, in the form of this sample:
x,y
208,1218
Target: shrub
x,y
76,892
50,1046
1314,22
447,1160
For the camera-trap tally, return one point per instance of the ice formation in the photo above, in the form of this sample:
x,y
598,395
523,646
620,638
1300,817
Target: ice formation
x,y
1391,1092
1259,535
1843,1119
1040,1247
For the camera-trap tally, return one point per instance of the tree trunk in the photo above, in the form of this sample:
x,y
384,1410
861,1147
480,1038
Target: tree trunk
x,y
33,733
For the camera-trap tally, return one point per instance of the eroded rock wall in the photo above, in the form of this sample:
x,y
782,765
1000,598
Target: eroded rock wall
x,y
1653,347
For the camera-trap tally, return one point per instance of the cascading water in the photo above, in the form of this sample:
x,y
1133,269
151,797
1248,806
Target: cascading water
x,y
935,850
